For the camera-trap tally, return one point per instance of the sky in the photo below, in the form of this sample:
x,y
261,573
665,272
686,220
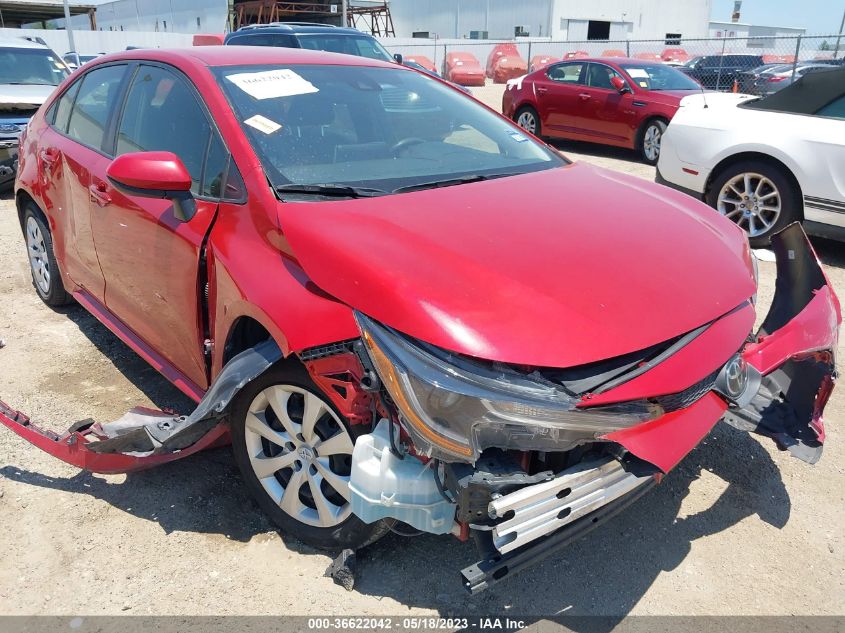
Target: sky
x,y
819,17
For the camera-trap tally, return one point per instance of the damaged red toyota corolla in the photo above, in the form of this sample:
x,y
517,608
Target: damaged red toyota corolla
x,y
399,306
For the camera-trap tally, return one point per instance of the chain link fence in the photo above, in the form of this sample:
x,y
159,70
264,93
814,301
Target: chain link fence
x,y
716,63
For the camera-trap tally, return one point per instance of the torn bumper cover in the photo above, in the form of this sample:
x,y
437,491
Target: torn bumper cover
x,y
143,438
779,383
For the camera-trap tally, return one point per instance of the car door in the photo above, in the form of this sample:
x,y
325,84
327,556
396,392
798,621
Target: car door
x,y
150,259
68,150
557,96
602,113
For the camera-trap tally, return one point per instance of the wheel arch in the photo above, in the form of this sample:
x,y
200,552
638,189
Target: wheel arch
x,y
646,121
24,199
761,157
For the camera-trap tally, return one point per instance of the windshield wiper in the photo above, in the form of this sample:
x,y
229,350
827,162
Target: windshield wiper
x,y
451,182
330,191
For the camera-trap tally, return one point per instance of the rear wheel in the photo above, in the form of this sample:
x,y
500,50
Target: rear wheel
x,y
42,261
294,451
757,196
650,138
528,119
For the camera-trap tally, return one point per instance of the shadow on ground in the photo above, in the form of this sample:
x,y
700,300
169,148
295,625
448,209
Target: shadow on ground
x,y
605,573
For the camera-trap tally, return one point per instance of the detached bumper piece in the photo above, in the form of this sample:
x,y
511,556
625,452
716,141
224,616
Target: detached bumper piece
x,y
144,438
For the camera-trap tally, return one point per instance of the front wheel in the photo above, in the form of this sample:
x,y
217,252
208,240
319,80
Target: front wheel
x,y
757,196
294,452
528,119
650,138
42,261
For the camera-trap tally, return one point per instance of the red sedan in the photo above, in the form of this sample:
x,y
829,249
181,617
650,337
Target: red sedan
x,y
609,100
398,306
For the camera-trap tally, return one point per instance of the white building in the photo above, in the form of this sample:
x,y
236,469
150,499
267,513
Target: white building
x,y
572,20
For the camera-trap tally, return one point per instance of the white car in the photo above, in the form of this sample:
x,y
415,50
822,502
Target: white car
x,y
764,163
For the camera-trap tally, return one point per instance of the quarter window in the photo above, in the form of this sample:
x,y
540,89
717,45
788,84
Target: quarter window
x,y
163,114
63,107
96,100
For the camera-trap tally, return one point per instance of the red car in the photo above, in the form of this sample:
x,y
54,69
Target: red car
x,y
622,102
398,306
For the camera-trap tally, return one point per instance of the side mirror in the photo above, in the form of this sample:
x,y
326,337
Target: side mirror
x,y
619,84
154,175
398,57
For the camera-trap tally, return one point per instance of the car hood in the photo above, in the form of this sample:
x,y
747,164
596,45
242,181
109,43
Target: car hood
x,y
555,268
26,96
668,97
715,100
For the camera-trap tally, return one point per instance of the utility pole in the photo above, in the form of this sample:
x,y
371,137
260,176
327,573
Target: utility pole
x,y
344,8
839,37
68,28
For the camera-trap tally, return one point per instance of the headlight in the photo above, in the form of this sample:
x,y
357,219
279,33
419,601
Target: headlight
x,y
454,407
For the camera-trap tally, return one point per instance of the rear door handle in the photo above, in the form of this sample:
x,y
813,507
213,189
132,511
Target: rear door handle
x,y
100,194
584,96
49,155
542,90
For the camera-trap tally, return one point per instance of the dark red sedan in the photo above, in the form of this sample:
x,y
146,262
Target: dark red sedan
x,y
615,101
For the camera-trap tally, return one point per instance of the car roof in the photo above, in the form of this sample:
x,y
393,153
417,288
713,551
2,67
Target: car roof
x,y
295,28
20,42
242,56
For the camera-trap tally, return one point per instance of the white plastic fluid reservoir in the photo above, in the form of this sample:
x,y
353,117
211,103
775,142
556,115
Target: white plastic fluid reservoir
x,y
382,486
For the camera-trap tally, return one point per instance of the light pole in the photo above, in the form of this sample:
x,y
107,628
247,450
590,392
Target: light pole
x,y
69,29
839,37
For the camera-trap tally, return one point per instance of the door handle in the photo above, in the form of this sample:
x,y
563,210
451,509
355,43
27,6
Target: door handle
x,y
49,155
584,96
542,90
100,194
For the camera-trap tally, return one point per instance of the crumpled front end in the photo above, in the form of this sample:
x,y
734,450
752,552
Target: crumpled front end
x,y
532,458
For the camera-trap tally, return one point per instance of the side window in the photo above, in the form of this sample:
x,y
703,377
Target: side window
x,y
565,73
163,114
835,109
97,98
599,75
60,111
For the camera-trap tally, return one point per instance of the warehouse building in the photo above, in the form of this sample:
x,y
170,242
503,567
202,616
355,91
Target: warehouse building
x,y
558,19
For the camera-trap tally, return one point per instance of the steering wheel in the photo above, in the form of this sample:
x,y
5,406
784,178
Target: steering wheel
x,y
405,143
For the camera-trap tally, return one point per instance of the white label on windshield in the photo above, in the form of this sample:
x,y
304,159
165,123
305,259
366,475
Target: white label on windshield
x,y
263,124
637,72
272,84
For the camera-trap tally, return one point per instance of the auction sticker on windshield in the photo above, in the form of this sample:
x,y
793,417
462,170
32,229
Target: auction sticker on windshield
x,y
271,84
263,124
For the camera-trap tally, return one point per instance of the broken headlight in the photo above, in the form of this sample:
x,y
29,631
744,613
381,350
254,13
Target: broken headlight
x,y
454,407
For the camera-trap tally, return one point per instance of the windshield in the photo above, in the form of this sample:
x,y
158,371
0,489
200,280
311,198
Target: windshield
x,y
31,67
382,129
359,45
659,77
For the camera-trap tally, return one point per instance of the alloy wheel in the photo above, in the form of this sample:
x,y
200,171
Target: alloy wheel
x,y
752,201
38,260
527,121
301,454
651,141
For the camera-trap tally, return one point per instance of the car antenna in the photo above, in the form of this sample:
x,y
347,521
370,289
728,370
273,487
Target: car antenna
x,y
703,95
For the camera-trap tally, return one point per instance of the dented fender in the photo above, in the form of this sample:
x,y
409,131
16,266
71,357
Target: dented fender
x,y
792,357
144,438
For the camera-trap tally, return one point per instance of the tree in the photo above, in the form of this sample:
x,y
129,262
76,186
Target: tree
x,y
824,46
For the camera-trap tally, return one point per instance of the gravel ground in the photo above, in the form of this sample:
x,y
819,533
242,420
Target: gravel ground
x,y
737,528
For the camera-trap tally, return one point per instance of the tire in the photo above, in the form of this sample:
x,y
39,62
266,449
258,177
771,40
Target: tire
x,y
42,260
524,116
648,143
767,183
254,419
